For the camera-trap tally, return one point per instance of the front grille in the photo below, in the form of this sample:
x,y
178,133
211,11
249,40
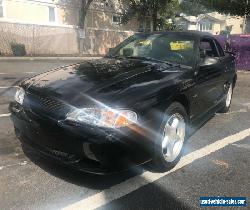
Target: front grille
x,y
50,104
46,106
59,155
64,156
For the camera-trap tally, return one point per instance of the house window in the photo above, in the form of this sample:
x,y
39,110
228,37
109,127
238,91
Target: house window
x,y
141,28
52,16
144,26
206,26
148,26
183,25
1,8
116,19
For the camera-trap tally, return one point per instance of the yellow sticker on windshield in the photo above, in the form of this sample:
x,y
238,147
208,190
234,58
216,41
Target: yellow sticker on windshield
x,y
180,45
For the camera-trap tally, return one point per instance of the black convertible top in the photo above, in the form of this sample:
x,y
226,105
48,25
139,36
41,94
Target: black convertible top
x,y
197,34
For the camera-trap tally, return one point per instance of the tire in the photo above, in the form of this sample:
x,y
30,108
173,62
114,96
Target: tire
x,y
175,115
226,104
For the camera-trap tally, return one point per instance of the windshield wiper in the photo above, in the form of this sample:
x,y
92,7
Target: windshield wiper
x,y
115,56
147,59
152,59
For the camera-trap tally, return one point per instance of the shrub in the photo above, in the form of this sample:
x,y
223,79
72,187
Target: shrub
x,y
18,49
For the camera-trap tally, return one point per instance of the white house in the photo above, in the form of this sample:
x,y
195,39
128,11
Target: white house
x,y
213,23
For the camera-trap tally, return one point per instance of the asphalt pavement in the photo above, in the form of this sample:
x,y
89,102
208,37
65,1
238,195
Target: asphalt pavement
x,y
216,162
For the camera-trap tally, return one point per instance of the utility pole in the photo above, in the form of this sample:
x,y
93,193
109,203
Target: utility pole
x,y
245,17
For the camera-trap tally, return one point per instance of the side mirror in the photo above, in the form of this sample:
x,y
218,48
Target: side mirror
x,y
128,52
229,52
208,61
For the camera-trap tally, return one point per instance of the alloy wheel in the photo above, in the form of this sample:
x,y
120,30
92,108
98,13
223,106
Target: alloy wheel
x,y
229,96
173,137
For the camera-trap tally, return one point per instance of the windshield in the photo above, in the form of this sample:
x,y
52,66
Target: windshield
x,y
163,47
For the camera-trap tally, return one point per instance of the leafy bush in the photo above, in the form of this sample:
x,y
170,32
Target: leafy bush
x,y
18,49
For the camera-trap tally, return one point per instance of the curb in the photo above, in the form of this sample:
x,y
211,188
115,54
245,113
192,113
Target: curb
x,y
46,58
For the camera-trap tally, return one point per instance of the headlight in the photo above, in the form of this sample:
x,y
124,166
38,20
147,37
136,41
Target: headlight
x,y
103,117
19,97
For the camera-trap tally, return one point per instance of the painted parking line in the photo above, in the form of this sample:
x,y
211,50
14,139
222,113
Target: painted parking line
x,y
4,73
30,72
5,115
26,72
106,196
233,112
7,87
23,163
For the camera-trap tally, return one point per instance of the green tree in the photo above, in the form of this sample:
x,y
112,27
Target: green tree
x,y
232,7
157,10
193,8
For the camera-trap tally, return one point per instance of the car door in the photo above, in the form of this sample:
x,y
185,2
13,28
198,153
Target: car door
x,y
227,63
209,77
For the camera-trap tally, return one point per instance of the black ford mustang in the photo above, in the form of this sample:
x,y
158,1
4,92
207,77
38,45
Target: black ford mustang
x,y
138,103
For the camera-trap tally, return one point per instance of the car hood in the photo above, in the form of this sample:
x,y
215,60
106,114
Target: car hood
x,y
103,81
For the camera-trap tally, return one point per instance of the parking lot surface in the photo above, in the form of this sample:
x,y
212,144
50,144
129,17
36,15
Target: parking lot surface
x,y
216,162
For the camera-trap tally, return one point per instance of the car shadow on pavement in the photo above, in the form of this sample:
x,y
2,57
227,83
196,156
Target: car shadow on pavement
x,y
92,181
150,196
154,196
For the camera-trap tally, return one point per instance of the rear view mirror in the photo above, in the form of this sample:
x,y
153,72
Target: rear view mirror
x,y
128,52
203,53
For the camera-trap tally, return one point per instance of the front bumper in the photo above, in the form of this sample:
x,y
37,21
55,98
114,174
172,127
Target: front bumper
x,y
85,148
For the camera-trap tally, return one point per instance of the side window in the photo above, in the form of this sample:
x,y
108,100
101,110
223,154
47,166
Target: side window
x,y
141,29
221,52
1,8
116,19
209,47
52,16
